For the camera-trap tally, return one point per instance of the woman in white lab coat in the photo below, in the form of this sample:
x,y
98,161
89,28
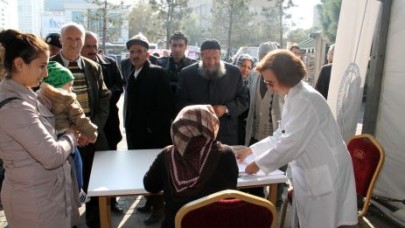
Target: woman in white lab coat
x,y
308,139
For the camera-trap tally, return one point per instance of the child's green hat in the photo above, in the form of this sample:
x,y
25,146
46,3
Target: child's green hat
x,y
58,75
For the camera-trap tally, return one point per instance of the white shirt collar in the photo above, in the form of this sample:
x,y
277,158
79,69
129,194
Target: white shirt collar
x,y
66,61
136,72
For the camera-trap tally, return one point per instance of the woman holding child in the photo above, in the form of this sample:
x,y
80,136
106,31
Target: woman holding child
x,y
37,186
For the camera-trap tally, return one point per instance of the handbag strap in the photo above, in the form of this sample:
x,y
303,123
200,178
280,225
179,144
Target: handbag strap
x,y
5,101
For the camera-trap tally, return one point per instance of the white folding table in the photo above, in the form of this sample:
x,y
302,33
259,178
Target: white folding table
x,y
120,173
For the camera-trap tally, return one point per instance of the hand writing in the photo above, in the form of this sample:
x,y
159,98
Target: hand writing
x,y
252,168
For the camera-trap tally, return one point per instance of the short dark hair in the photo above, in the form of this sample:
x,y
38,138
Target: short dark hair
x,y
53,39
178,36
288,68
210,44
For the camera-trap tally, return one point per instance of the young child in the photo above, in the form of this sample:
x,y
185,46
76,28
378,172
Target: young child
x,y
57,88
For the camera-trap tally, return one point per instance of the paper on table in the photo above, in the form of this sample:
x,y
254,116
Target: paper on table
x,y
238,148
247,161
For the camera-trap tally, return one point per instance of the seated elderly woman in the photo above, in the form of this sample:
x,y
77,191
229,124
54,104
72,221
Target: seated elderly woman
x,y
195,165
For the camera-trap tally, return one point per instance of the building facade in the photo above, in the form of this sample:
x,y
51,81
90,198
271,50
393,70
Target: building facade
x,y
29,15
57,13
8,14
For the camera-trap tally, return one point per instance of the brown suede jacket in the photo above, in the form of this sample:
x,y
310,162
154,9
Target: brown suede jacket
x,y
68,112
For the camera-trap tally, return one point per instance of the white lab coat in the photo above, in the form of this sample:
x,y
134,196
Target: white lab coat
x,y
322,171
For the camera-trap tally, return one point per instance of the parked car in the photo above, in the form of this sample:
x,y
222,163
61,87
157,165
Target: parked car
x,y
193,52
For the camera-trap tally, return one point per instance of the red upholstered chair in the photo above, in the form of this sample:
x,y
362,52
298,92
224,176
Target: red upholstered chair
x,y
368,158
227,208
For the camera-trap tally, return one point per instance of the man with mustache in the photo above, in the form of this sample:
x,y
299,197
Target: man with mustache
x,y
115,83
148,108
215,82
93,97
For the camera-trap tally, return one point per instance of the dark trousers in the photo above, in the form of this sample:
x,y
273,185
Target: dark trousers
x,y
156,203
92,207
92,211
87,153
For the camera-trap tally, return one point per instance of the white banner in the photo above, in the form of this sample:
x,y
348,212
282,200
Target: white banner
x,y
390,130
52,21
356,27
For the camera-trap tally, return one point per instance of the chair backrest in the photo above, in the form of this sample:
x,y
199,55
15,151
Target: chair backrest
x,y
227,208
368,158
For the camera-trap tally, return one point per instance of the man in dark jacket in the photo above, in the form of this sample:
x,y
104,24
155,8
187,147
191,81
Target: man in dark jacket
x,y
148,100
115,83
177,60
322,85
212,81
148,108
127,67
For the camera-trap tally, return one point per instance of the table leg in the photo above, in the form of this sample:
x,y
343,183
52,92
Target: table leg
x,y
272,197
105,212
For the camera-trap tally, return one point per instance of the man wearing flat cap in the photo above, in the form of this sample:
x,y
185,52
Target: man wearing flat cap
x,y
148,107
148,99
127,67
215,82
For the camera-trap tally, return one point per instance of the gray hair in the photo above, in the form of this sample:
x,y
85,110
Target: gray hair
x,y
92,34
74,25
331,50
265,48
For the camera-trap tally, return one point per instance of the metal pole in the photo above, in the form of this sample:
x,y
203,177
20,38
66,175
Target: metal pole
x,y
375,76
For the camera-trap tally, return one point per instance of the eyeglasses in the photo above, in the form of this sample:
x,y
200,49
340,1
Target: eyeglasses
x,y
270,83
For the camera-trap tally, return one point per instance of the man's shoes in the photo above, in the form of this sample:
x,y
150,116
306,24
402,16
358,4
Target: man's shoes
x,y
116,208
151,219
144,209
